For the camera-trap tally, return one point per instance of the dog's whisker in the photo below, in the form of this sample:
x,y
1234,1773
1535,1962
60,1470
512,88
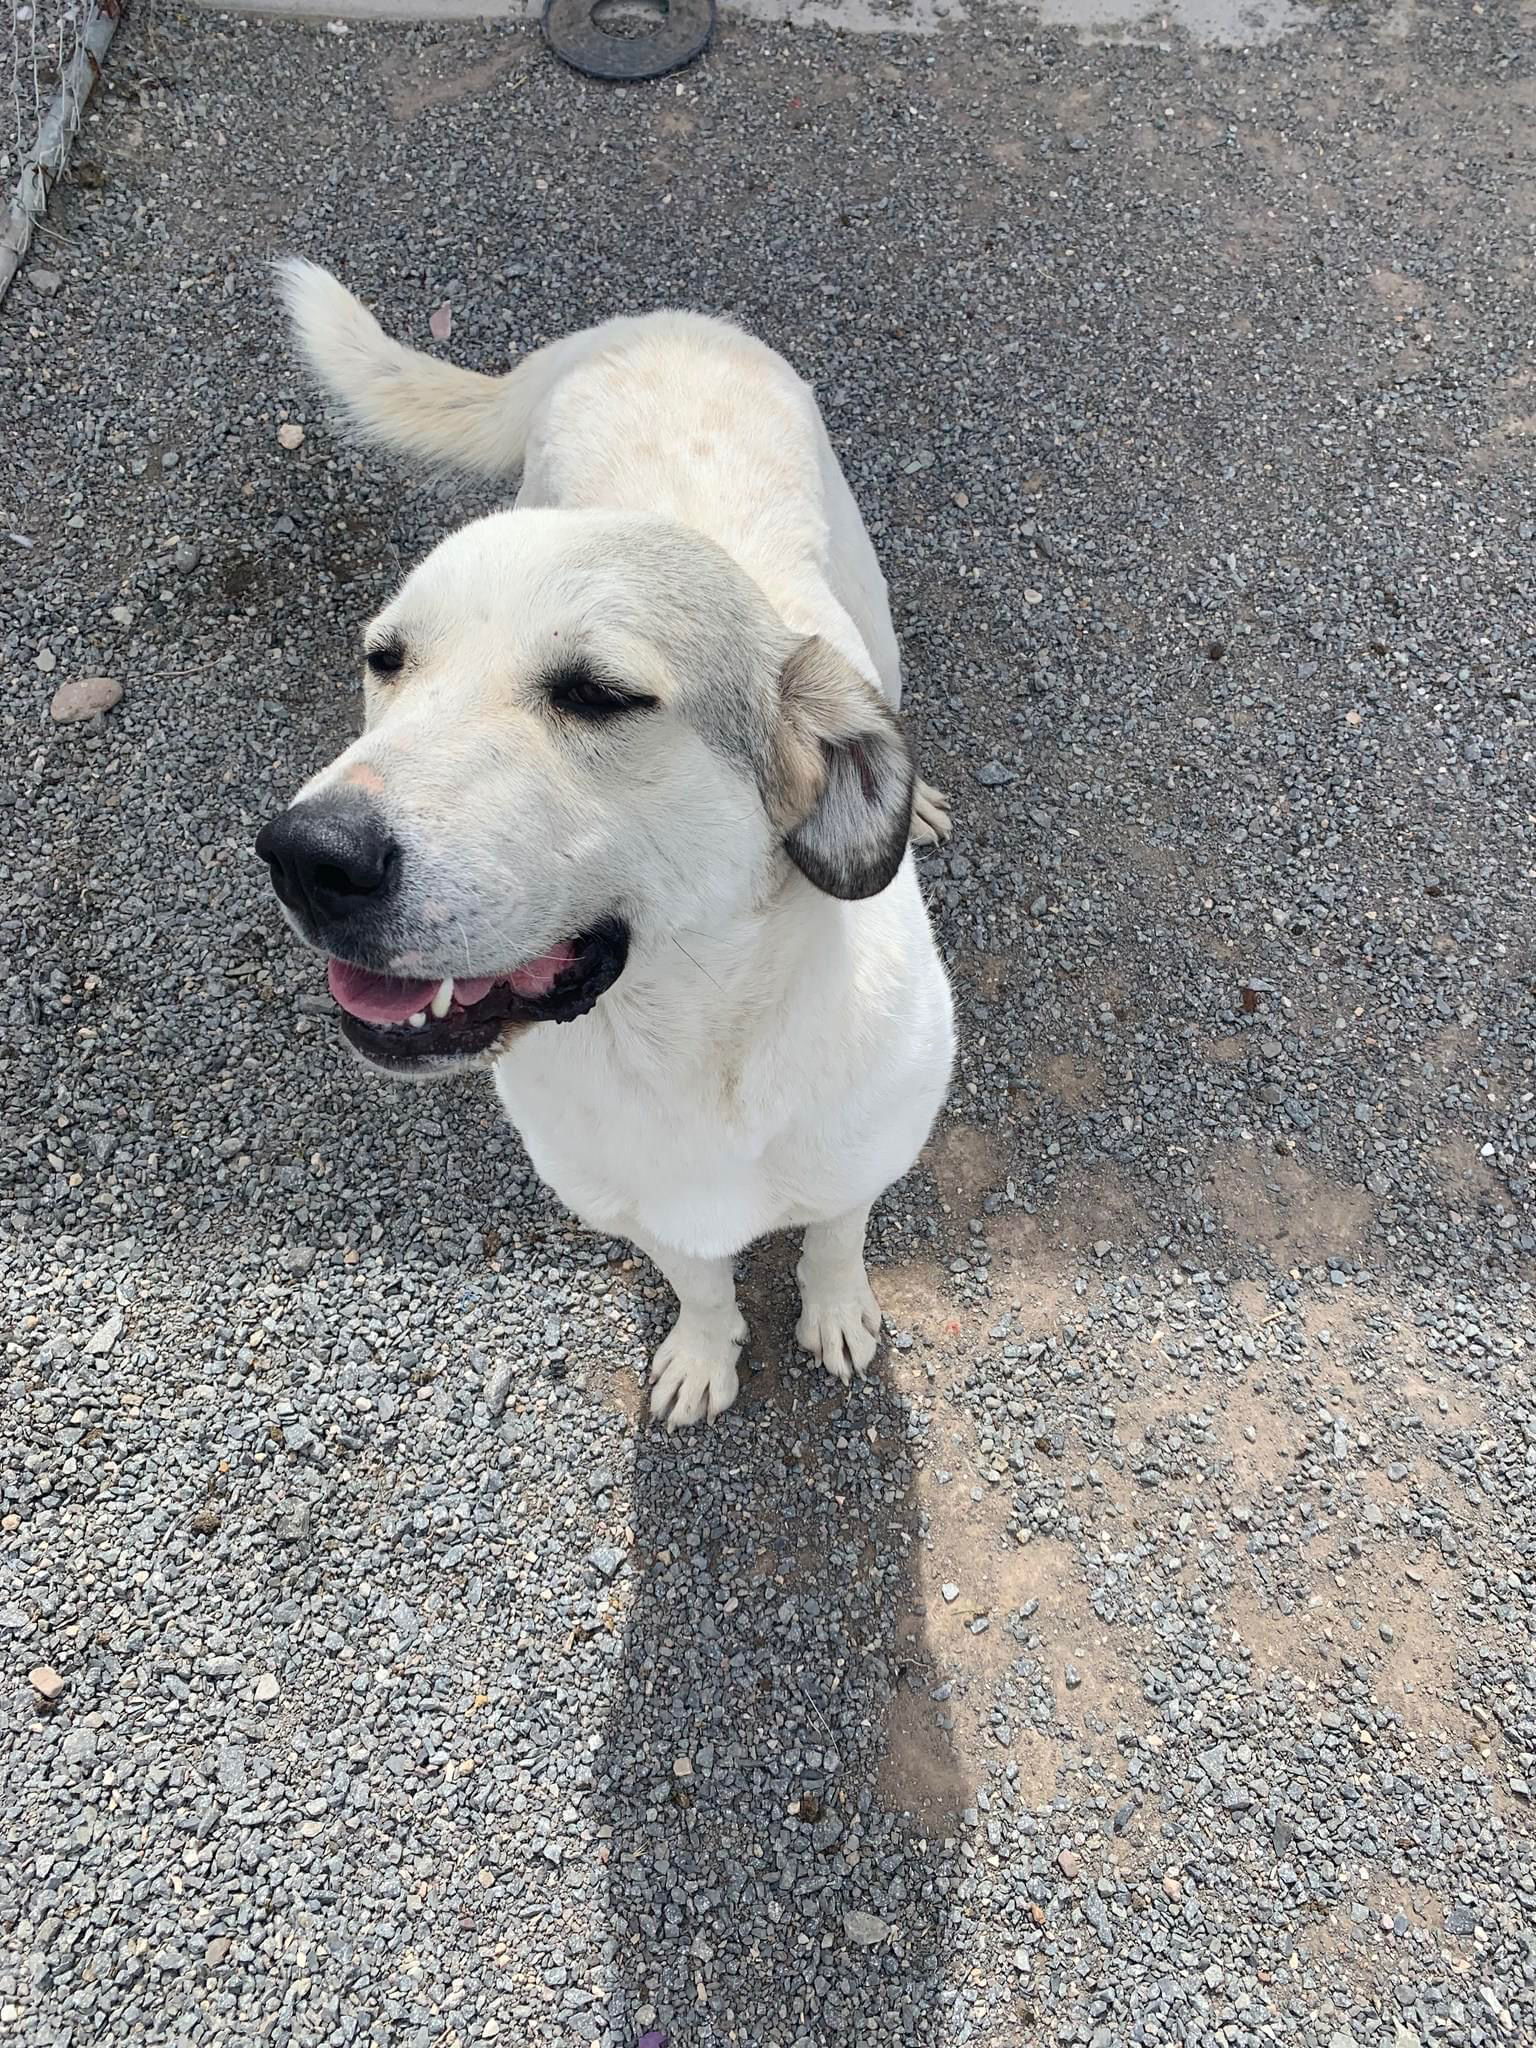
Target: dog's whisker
x,y
692,962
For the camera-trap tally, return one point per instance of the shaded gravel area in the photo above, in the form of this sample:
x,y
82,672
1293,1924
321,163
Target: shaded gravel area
x,y
1146,1654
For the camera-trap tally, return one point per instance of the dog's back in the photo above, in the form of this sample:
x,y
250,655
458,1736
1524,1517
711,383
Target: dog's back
x,y
673,414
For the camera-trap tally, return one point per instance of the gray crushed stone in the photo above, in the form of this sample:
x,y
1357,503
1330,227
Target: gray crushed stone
x,y
1145,1655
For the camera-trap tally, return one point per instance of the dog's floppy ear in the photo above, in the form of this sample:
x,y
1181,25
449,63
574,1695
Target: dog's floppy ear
x,y
839,782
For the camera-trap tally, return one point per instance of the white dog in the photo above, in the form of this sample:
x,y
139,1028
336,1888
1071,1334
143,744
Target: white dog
x,y
628,821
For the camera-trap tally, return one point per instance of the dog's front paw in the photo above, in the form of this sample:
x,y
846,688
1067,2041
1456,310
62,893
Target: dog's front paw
x,y
844,1333
693,1375
931,822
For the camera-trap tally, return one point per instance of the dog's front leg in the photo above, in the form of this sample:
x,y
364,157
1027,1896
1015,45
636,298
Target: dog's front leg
x,y
839,1316
693,1375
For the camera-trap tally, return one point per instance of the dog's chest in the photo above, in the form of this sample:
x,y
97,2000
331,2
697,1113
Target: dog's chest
x,y
676,1158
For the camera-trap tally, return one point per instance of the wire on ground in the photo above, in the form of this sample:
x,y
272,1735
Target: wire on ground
x,y
76,51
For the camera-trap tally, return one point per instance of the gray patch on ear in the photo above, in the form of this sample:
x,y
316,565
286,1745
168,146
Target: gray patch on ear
x,y
845,770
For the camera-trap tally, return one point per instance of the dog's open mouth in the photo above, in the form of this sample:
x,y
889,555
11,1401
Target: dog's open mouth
x,y
413,1024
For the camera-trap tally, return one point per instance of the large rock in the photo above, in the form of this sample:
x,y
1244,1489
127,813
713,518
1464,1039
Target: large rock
x,y
85,697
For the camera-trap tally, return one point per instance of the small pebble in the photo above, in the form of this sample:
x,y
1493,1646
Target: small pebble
x,y
102,1339
46,1683
497,1387
866,1930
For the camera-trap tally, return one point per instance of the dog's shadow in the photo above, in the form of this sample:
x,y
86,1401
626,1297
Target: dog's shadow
x,y
774,1832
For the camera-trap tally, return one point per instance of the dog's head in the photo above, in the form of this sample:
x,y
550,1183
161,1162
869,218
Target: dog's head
x,y
585,734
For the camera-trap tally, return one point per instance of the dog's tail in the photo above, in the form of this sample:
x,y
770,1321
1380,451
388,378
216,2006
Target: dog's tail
x,y
430,410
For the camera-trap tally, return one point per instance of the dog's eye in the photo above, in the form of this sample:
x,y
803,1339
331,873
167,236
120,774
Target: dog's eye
x,y
386,658
585,695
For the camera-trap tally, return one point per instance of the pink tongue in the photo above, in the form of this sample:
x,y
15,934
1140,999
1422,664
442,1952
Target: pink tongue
x,y
385,999
538,977
378,998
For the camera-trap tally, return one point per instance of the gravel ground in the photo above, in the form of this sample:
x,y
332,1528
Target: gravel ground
x,y
1146,1654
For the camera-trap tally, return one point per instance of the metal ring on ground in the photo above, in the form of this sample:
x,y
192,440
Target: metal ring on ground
x,y
574,36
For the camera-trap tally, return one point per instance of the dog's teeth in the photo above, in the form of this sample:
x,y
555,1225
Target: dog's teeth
x,y
418,1020
443,999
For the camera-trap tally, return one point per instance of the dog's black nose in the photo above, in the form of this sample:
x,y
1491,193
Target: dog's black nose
x,y
332,859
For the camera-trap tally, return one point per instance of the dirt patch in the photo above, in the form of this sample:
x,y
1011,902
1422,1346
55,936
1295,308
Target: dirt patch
x,y
912,1298
1399,294
1293,1215
1030,1275
1373,1341
1068,1639
1513,426
767,1293
1253,1299
919,1773
1455,1050
1466,1177
1366,1332
406,99
966,1162
1411,1675
624,1389
1256,1436
1010,1638
1074,1079
1009,154
987,973
1441,1403
1095,1208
